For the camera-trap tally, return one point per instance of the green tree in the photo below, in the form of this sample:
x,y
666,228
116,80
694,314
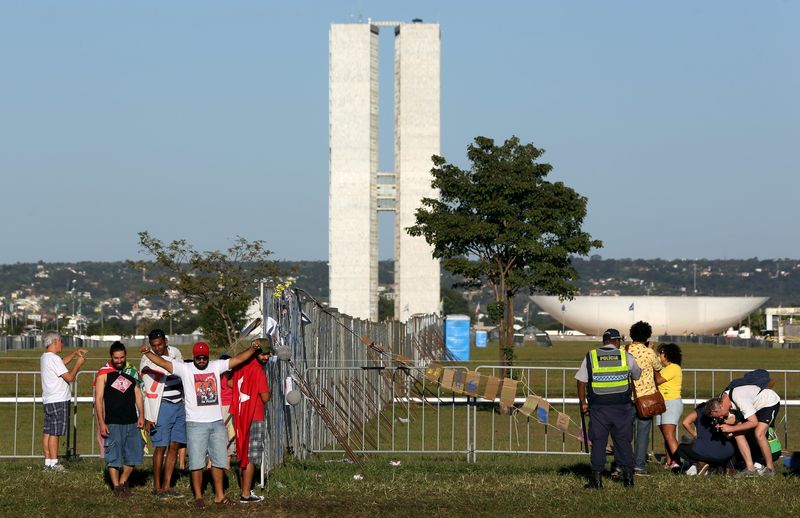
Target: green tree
x,y
220,284
502,224
385,309
454,302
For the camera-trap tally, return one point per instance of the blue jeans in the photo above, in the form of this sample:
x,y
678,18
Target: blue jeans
x,y
124,445
643,428
211,438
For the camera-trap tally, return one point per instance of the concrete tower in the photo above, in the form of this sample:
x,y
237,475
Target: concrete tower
x,y
358,190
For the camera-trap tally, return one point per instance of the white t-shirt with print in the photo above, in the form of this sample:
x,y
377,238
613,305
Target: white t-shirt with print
x,y
54,388
201,389
749,399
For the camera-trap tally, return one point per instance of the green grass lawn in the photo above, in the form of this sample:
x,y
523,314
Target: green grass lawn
x,y
419,486
428,485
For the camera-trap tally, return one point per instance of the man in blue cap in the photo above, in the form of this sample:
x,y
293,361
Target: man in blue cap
x,y
604,391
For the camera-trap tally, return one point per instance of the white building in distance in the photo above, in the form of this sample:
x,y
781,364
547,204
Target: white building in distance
x,y
667,315
358,190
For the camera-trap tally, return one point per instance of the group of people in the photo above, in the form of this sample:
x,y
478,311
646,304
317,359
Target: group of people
x,y
726,431
176,403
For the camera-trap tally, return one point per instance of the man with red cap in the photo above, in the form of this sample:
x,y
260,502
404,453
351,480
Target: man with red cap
x,y
250,392
205,430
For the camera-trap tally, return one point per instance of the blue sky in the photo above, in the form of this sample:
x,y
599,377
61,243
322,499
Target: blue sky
x,y
206,120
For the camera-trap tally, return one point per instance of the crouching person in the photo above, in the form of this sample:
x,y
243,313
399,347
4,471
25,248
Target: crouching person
x,y
119,409
755,409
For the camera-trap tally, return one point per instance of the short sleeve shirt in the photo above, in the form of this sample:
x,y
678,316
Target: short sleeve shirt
x,y
749,399
649,362
671,389
54,388
201,389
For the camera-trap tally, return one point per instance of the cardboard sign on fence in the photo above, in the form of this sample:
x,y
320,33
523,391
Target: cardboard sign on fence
x,y
492,384
509,392
529,407
472,383
433,373
542,413
458,381
447,378
562,422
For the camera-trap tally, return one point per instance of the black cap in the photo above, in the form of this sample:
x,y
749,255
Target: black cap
x,y
156,333
611,334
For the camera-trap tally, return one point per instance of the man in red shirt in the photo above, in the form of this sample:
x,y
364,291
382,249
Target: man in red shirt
x,y
250,392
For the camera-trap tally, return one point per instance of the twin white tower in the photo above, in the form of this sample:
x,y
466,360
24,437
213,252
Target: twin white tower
x,y
358,190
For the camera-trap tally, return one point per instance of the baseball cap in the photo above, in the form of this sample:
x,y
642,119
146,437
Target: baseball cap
x,y
200,349
265,344
156,333
611,334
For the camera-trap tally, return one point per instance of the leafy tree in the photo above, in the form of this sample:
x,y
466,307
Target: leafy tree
x,y
220,284
501,223
385,309
454,302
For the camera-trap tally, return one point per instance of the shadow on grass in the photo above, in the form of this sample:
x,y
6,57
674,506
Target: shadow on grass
x,y
580,469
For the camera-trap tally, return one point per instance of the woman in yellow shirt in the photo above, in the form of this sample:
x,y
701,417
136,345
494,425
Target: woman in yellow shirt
x,y
669,381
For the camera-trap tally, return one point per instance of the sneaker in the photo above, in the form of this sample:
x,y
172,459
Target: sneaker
x,y
766,472
58,468
250,499
692,471
747,473
640,472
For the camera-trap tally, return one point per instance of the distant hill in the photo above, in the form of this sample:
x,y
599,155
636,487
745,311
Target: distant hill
x,y
92,282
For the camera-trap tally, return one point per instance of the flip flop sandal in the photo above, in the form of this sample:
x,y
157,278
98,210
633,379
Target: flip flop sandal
x,y
225,501
199,503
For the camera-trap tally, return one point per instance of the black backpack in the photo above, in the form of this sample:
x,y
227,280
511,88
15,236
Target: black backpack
x,y
758,377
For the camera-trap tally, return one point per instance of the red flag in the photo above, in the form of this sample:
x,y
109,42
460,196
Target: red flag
x,y
249,381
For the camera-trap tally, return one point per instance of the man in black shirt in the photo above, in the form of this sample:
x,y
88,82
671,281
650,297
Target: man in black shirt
x,y
120,416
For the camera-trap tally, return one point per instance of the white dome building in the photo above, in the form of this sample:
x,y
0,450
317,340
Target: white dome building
x,y
667,315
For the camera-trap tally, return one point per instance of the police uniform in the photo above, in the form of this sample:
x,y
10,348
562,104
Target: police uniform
x,y
606,373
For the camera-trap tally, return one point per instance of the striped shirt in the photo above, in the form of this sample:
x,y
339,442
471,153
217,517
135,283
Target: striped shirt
x,y
173,389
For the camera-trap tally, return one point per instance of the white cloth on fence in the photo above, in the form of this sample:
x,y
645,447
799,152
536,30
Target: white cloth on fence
x,y
154,377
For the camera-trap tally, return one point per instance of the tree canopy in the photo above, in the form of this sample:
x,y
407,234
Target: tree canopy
x,y
220,284
502,223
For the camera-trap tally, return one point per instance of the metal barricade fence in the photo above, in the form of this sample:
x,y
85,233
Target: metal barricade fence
x,y
388,410
385,410
401,420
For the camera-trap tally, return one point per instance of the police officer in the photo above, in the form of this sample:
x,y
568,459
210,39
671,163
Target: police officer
x,y
607,372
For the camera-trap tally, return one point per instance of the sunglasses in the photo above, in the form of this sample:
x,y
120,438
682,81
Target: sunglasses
x,y
201,358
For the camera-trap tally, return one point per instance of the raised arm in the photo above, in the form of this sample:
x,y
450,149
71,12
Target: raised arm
x,y
77,353
158,360
69,377
242,356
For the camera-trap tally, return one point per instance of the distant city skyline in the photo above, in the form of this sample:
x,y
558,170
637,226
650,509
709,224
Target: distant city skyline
x,y
204,121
